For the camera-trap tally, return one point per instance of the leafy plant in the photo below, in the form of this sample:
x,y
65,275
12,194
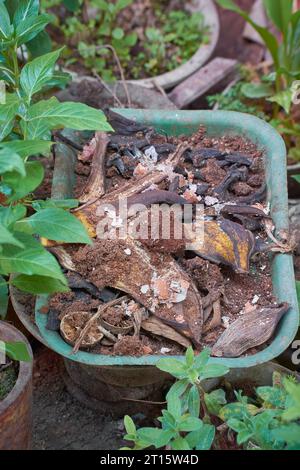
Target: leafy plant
x,y
284,51
174,38
25,131
271,425
181,426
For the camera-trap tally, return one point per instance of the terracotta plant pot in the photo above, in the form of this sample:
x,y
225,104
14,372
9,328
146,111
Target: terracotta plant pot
x,y
16,408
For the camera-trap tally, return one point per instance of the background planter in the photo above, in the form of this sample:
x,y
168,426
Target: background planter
x,y
16,408
170,79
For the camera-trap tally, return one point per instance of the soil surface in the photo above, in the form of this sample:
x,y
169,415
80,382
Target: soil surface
x,y
8,378
59,421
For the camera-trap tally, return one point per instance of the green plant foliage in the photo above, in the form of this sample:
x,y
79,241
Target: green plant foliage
x,y
181,426
180,30
284,50
25,132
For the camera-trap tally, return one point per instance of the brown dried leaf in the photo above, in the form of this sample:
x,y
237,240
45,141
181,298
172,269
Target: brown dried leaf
x,y
249,331
157,327
224,242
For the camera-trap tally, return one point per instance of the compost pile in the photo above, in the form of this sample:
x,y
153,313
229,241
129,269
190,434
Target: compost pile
x,y
146,294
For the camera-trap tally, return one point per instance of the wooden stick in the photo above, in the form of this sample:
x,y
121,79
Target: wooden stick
x,y
95,187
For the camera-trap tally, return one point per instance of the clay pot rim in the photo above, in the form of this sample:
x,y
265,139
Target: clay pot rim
x,y
9,333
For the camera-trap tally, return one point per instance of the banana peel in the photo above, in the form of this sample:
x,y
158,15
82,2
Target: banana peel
x,y
222,242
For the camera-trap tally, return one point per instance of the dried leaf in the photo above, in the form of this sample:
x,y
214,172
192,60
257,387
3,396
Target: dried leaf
x,y
249,331
157,327
224,242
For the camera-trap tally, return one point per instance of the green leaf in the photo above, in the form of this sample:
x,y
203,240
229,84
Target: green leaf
x,y
180,443
190,423
289,433
31,27
38,284
296,178
40,44
9,215
214,401
36,74
177,389
154,436
8,112
280,12
268,38
274,396
55,203
25,9
51,114
174,405
129,425
16,350
6,237
3,297
173,367
213,370
189,356
194,401
284,99
293,410
11,161
257,90
203,438
121,4
26,148
55,224
117,33
72,5
6,28
6,73
22,187
33,259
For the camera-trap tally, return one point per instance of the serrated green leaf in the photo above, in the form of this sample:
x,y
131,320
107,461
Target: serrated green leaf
x,y
26,148
3,297
55,224
11,161
51,114
189,356
289,433
34,177
38,284
36,74
33,259
174,405
25,9
31,27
